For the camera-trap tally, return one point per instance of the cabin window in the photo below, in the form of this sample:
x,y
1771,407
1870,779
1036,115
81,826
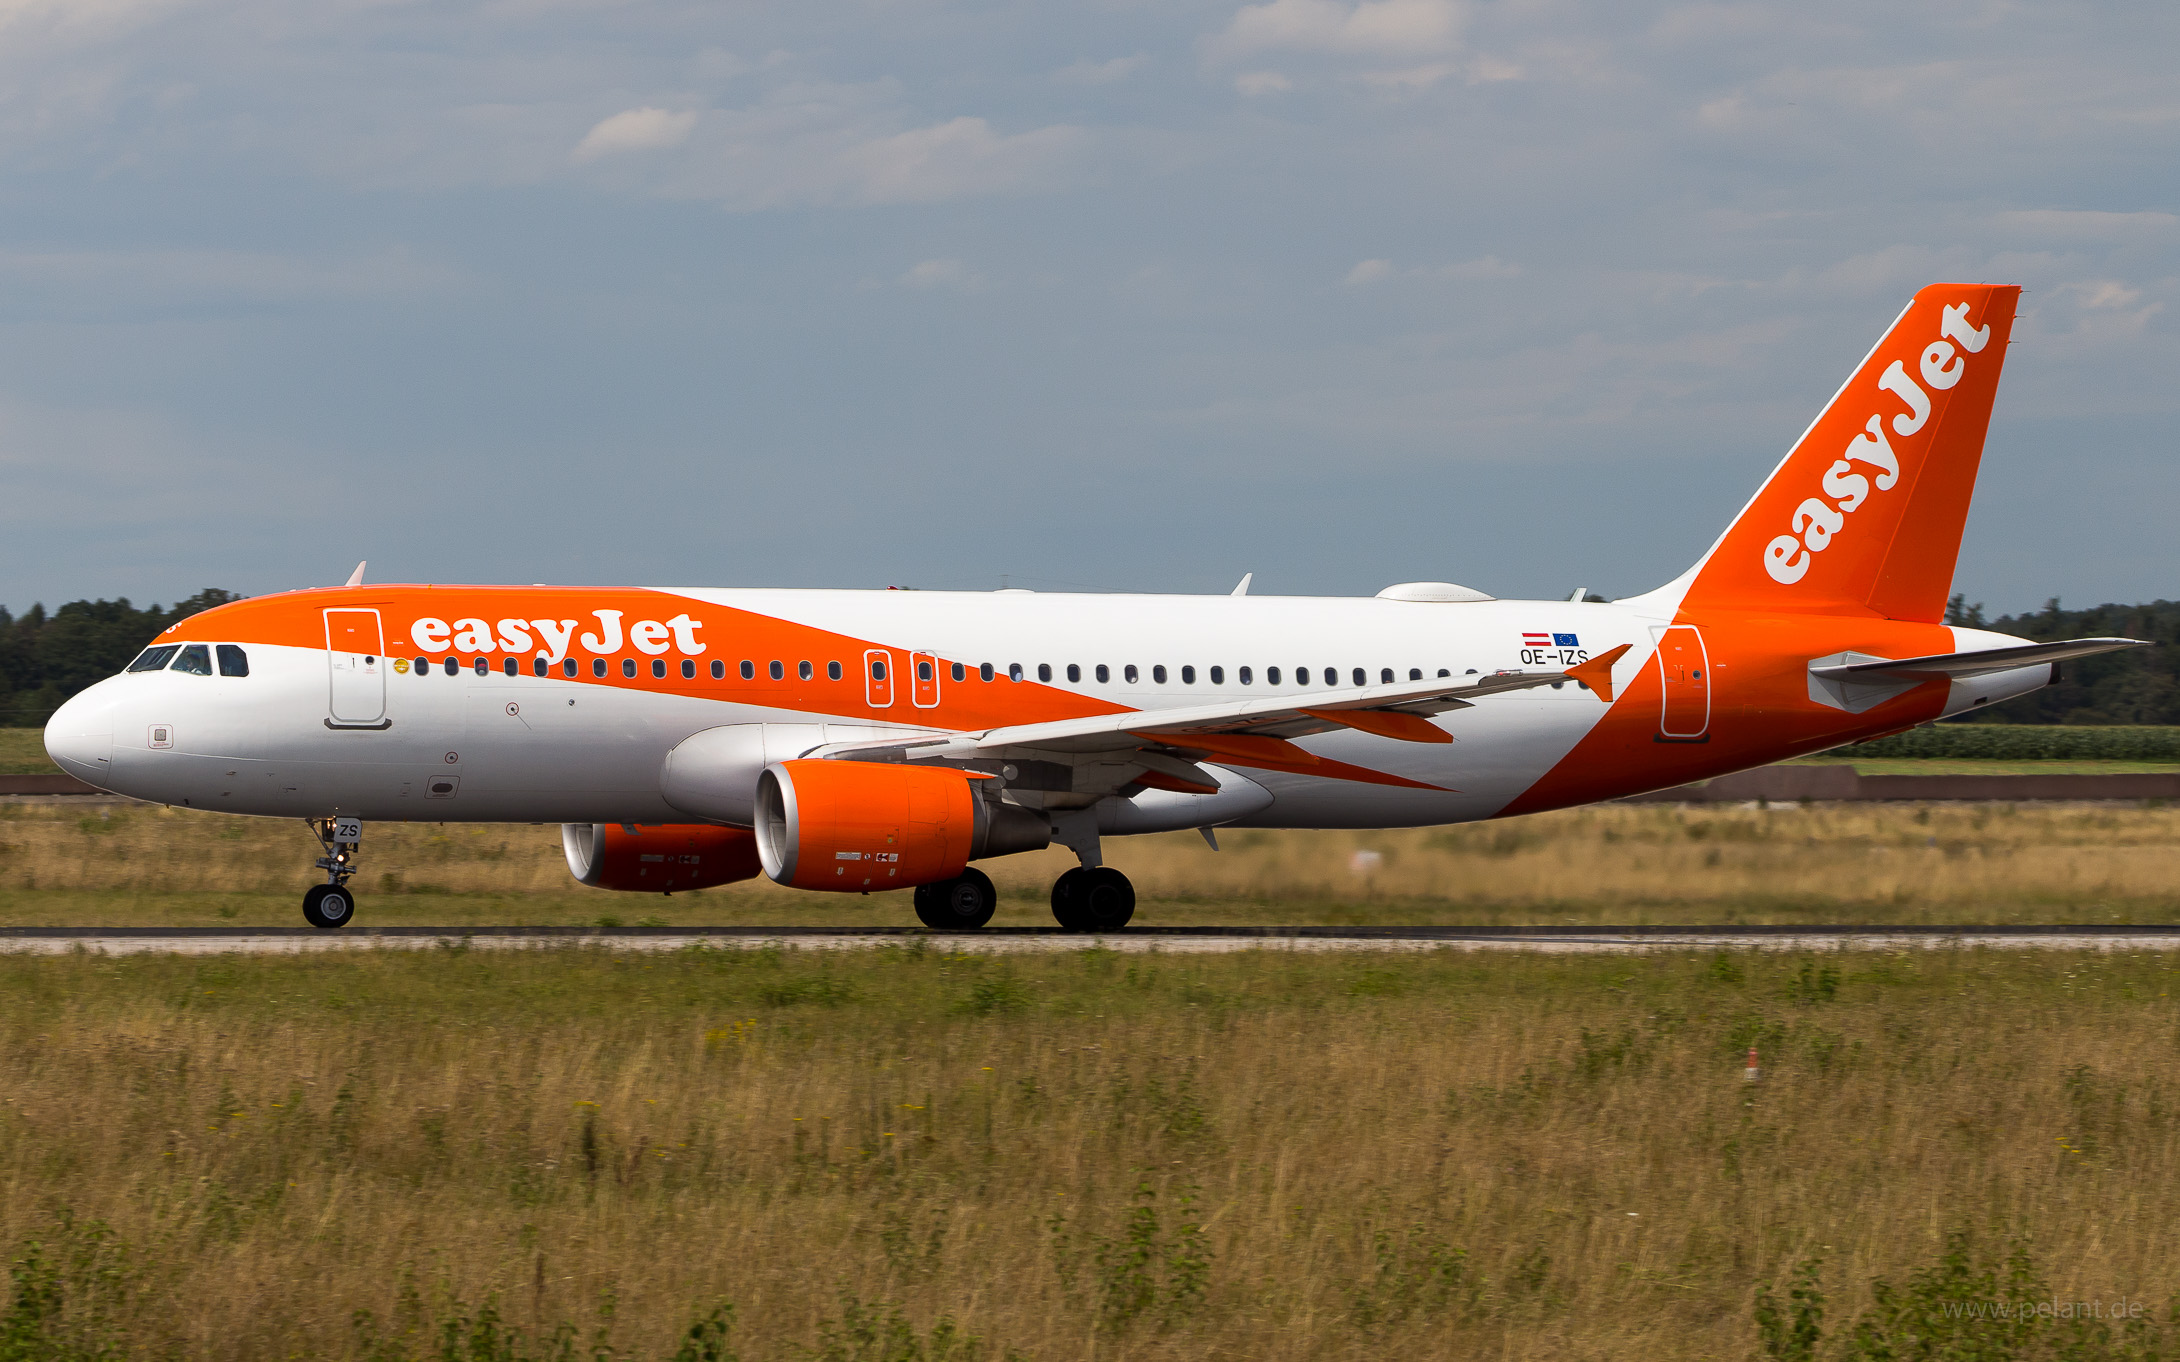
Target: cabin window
x,y
1128,673
1443,672
923,670
719,670
155,659
1102,674
511,667
1044,671
1415,673
1385,676
1218,676
878,669
832,671
1242,675
628,666
1188,676
1074,673
1301,676
749,670
658,667
597,666
539,666
482,666
804,671
688,669
195,659
1014,671
1271,676
1158,673
1362,677
233,661
961,673
567,666
777,670
985,671
423,666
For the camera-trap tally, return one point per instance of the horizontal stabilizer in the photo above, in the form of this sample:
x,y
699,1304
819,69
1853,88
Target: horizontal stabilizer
x,y
1958,665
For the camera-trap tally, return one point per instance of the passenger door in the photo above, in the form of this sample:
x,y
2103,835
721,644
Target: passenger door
x,y
1685,711
355,657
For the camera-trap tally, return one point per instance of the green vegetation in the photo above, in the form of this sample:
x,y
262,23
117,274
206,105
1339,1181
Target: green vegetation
x,y
2023,742
44,658
1270,1154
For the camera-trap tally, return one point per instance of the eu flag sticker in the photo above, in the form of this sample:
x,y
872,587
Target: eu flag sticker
x,y
1564,641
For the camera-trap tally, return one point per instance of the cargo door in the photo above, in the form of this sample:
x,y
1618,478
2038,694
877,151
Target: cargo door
x,y
1685,711
878,678
355,659
923,689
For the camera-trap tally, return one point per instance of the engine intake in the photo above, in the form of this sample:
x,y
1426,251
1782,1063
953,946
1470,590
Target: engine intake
x,y
855,826
658,858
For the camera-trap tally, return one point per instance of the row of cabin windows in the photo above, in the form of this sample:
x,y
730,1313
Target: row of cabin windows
x,y
1359,676
193,659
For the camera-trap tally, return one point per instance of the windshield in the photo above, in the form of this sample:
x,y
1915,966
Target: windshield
x,y
196,659
155,659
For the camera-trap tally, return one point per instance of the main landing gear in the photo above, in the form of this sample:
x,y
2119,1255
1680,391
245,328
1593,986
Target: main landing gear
x,y
1093,899
961,904
331,904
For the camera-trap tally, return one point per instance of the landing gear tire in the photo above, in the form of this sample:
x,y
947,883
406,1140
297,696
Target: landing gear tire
x,y
1099,900
328,905
961,904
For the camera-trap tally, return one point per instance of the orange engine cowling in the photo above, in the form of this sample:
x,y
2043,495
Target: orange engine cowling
x,y
855,826
658,858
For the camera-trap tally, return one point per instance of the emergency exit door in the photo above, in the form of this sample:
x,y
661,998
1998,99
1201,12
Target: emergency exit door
x,y
1685,711
878,678
356,663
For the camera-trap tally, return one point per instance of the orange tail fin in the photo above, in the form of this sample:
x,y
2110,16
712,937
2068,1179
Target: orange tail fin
x,y
1864,516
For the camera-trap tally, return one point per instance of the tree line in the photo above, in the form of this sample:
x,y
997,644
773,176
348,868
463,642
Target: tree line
x,y
45,658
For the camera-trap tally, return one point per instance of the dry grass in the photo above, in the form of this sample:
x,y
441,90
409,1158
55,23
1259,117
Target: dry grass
x,y
66,862
1387,1156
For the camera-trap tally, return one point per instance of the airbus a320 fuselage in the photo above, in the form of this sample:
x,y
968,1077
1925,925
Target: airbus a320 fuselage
x,y
852,741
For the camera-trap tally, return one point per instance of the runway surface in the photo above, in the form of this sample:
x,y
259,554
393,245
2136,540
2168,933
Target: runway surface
x,y
1876,936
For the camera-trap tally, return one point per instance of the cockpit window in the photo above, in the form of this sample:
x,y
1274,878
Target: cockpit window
x,y
233,661
155,659
196,659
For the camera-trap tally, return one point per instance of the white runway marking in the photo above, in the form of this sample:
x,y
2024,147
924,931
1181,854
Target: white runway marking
x,y
49,941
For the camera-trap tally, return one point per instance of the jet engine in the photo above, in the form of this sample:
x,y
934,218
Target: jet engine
x,y
658,858
856,826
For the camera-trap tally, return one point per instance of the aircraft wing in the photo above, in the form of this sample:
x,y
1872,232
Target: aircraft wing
x,y
1255,730
1954,665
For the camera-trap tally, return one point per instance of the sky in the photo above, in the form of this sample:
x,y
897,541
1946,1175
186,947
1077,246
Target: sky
x,y
1114,296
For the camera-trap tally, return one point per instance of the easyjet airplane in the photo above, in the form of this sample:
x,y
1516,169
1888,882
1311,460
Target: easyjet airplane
x,y
850,741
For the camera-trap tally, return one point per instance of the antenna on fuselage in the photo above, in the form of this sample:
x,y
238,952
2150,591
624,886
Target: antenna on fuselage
x,y
356,578
1242,588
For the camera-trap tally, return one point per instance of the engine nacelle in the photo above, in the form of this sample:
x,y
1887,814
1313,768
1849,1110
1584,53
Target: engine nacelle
x,y
855,826
658,858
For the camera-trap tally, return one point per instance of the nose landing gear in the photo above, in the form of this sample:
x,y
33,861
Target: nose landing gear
x,y
331,904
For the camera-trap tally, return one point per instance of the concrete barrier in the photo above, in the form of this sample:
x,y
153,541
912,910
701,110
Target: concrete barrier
x,y
1792,784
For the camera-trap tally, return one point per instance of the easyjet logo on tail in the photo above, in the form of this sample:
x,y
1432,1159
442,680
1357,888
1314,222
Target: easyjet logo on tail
x,y
1870,460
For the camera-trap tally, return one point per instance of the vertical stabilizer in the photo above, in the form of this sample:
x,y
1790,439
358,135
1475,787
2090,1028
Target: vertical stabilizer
x,y
1865,515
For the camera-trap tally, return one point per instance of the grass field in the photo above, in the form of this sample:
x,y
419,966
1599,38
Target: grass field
x,y
876,1154
69,863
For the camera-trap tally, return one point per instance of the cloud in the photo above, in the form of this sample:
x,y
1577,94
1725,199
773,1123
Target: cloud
x,y
1262,83
1102,72
1373,28
1370,271
933,274
1483,267
2086,225
645,129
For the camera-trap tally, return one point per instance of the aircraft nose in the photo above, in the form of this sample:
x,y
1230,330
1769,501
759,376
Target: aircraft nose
x,y
80,738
